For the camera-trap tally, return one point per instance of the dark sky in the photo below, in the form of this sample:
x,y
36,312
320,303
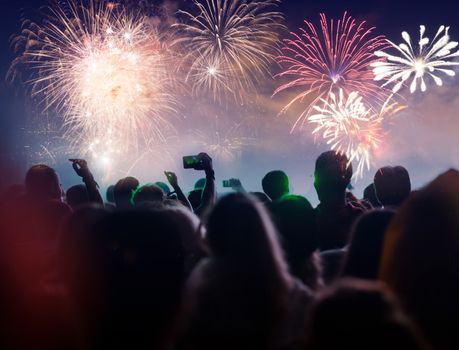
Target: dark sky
x,y
390,17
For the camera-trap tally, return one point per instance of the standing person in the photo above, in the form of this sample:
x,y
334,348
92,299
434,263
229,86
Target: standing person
x,y
335,215
242,296
420,259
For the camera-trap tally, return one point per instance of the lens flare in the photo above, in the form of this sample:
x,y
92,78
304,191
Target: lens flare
x,y
230,45
103,69
338,55
351,127
432,58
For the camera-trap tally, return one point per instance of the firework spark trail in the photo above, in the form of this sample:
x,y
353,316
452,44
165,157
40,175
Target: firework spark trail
x,y
231,45
224,143
351,127
337,56
103,68
433,57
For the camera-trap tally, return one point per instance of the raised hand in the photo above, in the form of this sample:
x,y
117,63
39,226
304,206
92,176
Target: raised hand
x,y
171,178
236,185
81,168
206,163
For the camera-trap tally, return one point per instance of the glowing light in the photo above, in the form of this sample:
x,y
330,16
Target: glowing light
x,y
238,38
103,69
351,127
212,70
337,56
432,58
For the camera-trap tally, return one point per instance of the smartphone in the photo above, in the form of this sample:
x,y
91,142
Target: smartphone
x,y
231,183
192,162
227,183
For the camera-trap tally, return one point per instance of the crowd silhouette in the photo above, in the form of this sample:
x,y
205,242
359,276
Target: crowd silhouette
x,y
154,267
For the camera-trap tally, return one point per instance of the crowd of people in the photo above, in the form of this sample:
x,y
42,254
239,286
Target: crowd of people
x,y
151,267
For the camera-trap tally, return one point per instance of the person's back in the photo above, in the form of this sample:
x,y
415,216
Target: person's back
x,y
335,215
420,259
358,315
275,184
295,221
392,186
365,249
136,263
242,295
29,251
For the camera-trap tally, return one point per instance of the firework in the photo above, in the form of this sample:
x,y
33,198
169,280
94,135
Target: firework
x,y
350,127
222,142
337,56
103,69
432,59
231,45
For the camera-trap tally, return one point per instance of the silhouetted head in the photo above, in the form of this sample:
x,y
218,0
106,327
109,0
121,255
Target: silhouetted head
x,y
195,197
42,182
392,185
239,230
77,195
164,187
365,249
360,315
369,194
123,191
332,175
110,194
148,193
275,184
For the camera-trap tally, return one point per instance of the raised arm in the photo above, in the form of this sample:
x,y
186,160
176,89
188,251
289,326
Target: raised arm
x,y
81,168
208,196
172,178
236,185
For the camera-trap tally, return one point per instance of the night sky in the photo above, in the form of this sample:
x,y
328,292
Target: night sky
x,y
390,17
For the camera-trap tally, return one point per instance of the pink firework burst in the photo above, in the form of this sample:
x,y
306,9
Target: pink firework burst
x,y
337,56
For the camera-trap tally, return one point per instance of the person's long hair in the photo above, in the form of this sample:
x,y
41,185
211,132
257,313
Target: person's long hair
x,y
246,264
420,259
241,232
364,254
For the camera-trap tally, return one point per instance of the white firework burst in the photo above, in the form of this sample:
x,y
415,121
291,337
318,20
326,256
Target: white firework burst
x,y
433,58
350,127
